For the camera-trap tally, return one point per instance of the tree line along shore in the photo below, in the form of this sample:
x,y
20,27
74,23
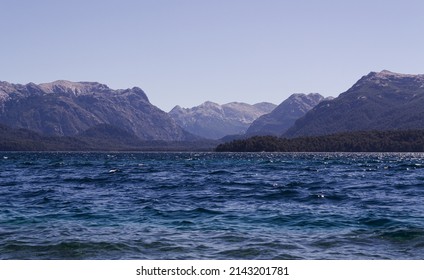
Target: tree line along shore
x,y
361,141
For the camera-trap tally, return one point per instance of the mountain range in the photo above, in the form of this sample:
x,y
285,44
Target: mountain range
x,y
91,116
378,101
213,121
64,108
284,115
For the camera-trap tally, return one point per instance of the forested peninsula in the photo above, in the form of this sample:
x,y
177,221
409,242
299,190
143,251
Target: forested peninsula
x,y
361,141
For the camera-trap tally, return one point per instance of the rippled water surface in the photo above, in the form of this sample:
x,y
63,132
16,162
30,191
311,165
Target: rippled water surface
x,y
211,206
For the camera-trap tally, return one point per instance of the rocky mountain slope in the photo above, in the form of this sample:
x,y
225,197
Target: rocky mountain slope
x,y
283,117
64,108
378,101
214,121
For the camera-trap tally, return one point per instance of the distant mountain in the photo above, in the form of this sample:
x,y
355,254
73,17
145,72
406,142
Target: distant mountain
x,y
64,108
284,116
214,121
378,101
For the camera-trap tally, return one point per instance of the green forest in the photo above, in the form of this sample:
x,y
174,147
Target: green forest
x,y
362,141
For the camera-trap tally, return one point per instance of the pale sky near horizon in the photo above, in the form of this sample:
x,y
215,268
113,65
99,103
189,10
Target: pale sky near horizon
x,y
185,52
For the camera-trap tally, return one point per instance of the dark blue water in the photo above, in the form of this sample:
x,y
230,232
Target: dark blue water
x,y
211,206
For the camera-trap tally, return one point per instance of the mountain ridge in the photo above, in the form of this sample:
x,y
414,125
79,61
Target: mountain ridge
x,y
64,108
284,115
378,101
214,121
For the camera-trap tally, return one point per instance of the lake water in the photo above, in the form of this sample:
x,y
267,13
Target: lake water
x,y
211,206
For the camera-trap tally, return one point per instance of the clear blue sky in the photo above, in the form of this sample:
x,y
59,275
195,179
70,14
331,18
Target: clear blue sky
x,y
188,51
